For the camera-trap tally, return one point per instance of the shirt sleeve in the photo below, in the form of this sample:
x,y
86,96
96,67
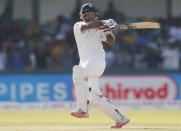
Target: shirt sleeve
x,y
77,27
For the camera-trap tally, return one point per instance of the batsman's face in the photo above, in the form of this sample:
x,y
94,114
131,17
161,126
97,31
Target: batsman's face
x,y
90,16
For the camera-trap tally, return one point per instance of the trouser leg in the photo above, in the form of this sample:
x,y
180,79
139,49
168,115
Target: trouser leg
x,y
81,88
102,103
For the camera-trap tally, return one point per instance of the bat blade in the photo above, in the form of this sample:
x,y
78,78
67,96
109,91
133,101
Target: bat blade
x,y
145,25
138,25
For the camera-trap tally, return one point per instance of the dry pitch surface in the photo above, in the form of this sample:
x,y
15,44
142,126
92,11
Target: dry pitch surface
x,y
60,120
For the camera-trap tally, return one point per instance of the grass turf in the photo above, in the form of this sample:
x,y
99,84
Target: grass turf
x,y
56,120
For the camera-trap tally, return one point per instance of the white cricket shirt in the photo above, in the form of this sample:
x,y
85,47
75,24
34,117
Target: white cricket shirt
x,y
89,42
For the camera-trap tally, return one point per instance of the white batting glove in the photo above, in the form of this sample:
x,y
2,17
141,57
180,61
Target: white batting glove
x,y
110,23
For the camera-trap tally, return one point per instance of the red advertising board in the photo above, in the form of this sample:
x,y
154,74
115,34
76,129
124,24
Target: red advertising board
x,y
140,90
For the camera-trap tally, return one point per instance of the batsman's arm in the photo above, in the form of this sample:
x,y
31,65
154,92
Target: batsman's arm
x,y
108,37
92,25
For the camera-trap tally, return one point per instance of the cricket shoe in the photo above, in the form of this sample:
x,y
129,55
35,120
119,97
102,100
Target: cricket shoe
x,y
80,114
120,124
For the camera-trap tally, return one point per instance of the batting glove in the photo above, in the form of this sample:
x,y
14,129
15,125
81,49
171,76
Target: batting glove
x,y
110,23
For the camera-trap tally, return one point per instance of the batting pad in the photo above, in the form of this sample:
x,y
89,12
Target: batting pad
x,y
81,87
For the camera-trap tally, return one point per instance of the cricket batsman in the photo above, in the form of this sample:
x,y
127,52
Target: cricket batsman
x,y
89,38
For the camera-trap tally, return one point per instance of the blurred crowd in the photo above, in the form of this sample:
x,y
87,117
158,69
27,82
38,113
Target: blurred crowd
x,y
29,46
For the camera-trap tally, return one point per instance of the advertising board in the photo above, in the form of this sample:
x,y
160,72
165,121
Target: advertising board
x,y
45,91
35,88
142,91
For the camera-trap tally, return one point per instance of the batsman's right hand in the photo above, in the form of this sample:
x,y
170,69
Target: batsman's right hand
x,y
110,23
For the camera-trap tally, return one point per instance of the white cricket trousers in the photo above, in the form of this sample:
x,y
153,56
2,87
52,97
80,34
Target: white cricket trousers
x,y
91,94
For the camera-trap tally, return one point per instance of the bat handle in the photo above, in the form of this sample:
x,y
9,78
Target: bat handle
x,y
107,28
118,27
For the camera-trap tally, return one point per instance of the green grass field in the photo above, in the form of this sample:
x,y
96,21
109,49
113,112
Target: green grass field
x,y
60,120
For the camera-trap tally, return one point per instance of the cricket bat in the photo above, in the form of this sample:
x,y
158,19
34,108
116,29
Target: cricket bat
x,y
137,25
